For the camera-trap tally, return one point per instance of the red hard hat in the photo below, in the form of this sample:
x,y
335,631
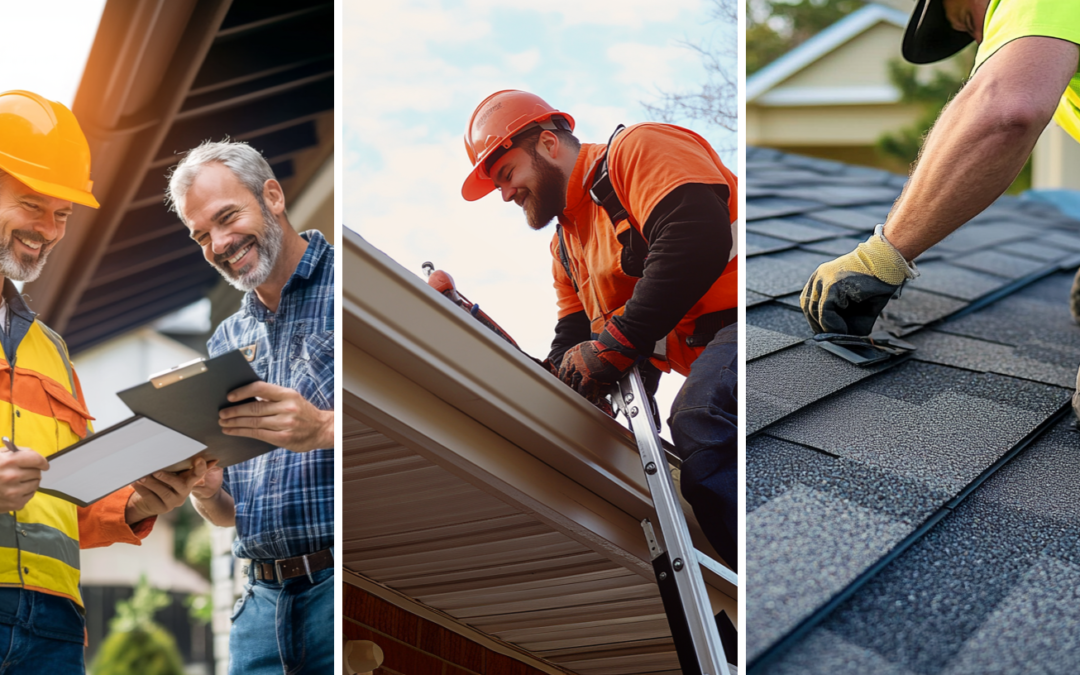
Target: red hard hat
x,y
491,130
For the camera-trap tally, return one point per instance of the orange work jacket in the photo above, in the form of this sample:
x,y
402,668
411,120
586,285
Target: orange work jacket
x,y
645,162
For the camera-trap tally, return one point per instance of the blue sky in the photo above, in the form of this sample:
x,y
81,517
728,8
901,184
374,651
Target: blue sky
x,y
413,72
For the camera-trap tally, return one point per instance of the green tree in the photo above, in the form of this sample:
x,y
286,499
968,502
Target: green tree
x,y
136,645
717,101
775,27
930,95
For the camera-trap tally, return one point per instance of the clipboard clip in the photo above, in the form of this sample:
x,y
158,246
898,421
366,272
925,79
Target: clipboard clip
x,y
176,373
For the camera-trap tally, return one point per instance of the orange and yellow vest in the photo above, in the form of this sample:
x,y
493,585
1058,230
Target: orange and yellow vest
x,y
645,163
41,408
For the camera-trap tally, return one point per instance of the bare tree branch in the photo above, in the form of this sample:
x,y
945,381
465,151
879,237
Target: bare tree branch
x,y
716,102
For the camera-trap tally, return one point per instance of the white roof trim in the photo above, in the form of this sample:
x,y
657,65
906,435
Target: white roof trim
x,y
821,44
411,359
825,96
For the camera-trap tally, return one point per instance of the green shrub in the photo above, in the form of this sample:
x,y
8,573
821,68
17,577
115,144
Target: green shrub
x,y
136,645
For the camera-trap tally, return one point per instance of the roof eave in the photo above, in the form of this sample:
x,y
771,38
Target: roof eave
x,y
421,371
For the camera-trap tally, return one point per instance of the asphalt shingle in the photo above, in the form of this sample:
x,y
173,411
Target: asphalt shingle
x,y
757,244
782,273
955,282
762,341
793,231
843,462
996,262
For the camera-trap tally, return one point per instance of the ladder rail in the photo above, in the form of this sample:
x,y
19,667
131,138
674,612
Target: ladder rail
x,y
672,524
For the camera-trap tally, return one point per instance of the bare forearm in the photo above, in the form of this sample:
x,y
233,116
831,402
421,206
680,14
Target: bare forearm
x,y
981,141
220,509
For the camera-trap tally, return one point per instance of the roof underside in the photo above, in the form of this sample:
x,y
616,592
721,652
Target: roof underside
x,y
429,534
881,490
162,78
480,486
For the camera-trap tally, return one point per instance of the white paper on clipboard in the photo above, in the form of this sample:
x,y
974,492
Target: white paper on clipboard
x,y
109,461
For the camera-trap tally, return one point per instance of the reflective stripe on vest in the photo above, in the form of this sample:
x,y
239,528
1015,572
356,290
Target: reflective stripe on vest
x,y
39,545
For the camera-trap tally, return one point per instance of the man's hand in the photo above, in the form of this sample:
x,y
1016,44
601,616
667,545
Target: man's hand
x,y
281,416
20,474
163,491
209,485
590,368
846,295
211,501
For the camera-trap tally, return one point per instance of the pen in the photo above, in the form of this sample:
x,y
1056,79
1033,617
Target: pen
x,y
9,445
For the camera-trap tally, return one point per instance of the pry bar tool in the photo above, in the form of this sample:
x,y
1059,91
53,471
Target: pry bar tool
x,y
863,350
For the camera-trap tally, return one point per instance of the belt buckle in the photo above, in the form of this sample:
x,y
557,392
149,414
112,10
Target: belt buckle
x,y
277,572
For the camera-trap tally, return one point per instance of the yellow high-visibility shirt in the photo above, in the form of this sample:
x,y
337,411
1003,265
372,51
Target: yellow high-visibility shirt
x,y
1008,20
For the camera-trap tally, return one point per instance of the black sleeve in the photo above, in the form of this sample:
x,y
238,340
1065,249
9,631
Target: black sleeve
x,y
572,329
689,236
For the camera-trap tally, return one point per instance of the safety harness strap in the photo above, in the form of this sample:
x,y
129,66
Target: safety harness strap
x,y
602,192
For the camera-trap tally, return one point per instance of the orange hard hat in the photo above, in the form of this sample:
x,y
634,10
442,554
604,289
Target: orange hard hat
x,y
43,146
492,128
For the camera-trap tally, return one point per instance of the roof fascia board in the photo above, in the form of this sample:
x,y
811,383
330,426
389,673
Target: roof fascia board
x,y
448,622
829,96
398,319
392,316
818,46
406,413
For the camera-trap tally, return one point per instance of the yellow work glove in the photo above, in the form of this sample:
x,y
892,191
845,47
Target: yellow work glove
x,y
846,295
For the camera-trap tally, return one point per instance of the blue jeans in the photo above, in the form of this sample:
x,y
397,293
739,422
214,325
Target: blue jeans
x,y
40,633
284,628
705,429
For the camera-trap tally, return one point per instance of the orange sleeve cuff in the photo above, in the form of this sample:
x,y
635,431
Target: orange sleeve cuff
x,y
102,523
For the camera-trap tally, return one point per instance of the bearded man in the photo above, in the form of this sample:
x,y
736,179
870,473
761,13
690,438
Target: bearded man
x,y
645,271
44,171
282,502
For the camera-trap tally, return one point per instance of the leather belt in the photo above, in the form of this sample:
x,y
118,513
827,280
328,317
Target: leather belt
x,y
288,568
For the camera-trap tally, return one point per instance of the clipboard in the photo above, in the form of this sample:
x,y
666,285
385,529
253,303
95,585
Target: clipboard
x,y
175,421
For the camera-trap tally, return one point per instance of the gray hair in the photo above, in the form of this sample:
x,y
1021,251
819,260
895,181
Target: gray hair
x,y
246,163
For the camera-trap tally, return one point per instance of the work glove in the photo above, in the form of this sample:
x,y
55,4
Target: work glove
x,y
846,295
590,368
546,364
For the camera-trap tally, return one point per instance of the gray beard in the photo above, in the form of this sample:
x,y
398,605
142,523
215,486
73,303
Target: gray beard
x,y
268,247
15,267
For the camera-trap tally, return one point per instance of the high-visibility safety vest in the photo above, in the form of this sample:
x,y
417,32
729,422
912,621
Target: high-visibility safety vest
x,y
41,408
599,250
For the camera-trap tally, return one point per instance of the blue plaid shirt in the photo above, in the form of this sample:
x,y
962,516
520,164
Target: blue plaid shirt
x,y
285,500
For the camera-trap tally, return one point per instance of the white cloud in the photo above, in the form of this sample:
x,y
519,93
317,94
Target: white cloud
x,y
525,61
596,123
626,13
413,71
657,65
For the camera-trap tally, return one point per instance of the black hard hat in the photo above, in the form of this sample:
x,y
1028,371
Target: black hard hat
x,y
929,37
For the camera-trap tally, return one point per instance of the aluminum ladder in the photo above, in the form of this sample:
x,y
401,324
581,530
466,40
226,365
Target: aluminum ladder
x,y
677,569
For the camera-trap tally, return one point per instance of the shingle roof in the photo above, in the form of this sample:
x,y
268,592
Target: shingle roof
x,y
885,531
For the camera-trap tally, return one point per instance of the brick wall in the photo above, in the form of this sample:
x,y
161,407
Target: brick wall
x,y
415,646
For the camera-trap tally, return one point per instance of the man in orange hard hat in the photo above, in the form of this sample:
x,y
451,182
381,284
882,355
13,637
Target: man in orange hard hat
x,y
645,270
44,168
